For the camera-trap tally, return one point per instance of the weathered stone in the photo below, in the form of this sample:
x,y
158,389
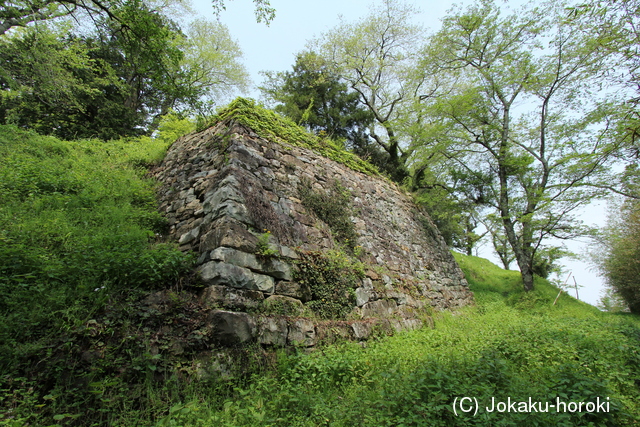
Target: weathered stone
x,y
230,234
231,298
231,209
288,252
220,273
264,283
230,328
235,257
379,308
302,332
363,296
295,290
271,266
362,330
399,297
190,236
223,193
272,331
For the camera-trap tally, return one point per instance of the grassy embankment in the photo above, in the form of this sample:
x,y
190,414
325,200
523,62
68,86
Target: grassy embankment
x,y
510,345
77,222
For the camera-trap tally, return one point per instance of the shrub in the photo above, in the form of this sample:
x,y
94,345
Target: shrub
x,y
332,279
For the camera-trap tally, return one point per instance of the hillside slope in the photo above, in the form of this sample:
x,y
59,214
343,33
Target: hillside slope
x,y
512,345
82,342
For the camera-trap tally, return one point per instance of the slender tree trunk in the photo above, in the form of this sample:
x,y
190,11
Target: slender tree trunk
x,y
525,262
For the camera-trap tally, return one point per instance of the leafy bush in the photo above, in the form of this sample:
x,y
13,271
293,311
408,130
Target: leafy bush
x,y
332,279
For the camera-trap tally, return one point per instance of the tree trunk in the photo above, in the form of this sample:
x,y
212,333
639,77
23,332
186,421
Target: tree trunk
x,y
526,271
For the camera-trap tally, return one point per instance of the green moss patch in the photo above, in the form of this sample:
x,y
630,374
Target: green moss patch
x,y
273,127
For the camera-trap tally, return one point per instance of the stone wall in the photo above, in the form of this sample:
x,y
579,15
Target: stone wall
x,y
235,199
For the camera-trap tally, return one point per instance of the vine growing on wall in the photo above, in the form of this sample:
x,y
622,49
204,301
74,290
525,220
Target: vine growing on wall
x,y
334,208
332,278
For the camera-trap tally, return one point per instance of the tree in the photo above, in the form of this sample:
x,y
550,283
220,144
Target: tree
x,y
20,13
117,81
313,96
211,65
375,57
50,82
617,24
619,256
519,120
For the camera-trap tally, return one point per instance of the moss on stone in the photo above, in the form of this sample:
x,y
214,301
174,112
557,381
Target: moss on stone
x,y
271,126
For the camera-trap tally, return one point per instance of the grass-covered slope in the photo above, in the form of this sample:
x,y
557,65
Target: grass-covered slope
x,y
77,226
512,345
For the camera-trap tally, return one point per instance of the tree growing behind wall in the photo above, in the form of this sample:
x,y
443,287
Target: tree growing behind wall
x,y
519,121
118,79
313,95
375,57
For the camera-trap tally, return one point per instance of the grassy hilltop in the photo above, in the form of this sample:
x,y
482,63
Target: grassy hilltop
x,y
78,252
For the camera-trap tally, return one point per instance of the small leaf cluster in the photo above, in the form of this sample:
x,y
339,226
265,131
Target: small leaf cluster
x,y
264,248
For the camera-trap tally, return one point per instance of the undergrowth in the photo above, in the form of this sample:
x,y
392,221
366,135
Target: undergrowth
x,y
332,278
511,345
78,226
334,208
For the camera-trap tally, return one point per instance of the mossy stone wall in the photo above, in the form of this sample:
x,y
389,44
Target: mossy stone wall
x,y
247,203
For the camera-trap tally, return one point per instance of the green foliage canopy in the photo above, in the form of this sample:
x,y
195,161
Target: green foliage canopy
x,y
119,78
376,56
314,96
519,125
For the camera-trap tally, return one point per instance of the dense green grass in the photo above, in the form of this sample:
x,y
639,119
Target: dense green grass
x,y
77,253
77,226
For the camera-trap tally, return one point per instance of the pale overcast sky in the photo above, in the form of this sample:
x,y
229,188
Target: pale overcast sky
x,y
273,48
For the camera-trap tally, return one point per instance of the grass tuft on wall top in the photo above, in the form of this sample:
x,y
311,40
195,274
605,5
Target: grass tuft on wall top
x,y
271,126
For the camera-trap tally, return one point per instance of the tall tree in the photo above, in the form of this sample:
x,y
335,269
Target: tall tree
x,y
314,96
617,26
521,120
211,67
51,82
119,80
376,56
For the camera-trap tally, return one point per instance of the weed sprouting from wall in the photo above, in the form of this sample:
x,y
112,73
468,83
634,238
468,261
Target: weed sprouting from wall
x,y
334,208
262,214
332,278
